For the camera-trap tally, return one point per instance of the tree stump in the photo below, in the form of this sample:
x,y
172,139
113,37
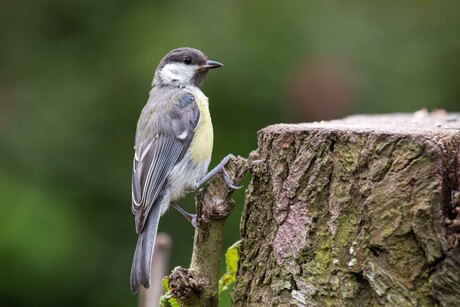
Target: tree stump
x,y
360,211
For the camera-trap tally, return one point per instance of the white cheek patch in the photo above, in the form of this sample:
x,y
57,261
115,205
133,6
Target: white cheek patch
x,y
177,73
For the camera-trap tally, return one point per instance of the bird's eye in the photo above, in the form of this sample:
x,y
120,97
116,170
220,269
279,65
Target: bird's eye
x,y
187,61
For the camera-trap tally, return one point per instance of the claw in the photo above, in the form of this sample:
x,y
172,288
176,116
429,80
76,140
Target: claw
x,y
228,181
193,221
217,169
188,216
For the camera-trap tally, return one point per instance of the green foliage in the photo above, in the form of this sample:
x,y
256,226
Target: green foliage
x,y
231,261
166,300
165,283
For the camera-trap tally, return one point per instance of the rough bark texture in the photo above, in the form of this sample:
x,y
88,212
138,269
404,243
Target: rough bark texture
x,y
357,211
198,285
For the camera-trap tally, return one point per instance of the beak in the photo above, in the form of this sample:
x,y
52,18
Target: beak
x,y
210,65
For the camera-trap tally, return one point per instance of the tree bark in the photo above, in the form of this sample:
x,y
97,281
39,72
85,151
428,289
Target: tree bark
x,y
359,211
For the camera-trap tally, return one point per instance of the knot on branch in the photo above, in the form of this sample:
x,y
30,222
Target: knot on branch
x,y
185,286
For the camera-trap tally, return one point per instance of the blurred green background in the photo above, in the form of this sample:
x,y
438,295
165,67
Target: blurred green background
x,y
74,76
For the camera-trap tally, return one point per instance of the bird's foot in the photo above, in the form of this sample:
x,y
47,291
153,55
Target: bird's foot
x,y
228,181
220,168
188,216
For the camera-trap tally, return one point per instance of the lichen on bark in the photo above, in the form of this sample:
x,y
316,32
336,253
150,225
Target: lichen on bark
x,y
351,212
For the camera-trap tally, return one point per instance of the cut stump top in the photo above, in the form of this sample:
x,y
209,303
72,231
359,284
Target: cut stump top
x,y
418,123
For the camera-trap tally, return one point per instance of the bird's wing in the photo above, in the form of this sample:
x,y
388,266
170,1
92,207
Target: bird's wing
x,y
155,158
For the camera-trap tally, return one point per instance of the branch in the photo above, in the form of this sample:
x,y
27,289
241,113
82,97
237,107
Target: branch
x,y
198,285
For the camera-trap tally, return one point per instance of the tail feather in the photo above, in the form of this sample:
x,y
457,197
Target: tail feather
x,y
142,262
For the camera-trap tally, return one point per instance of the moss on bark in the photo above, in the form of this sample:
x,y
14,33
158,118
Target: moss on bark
x,y
352,212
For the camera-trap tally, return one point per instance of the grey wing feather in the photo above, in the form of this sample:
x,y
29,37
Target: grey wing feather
x,y
155,158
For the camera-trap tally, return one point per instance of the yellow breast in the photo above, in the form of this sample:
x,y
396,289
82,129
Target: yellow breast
x,y
201,146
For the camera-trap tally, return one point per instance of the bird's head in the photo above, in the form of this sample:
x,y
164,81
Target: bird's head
x,y
184,67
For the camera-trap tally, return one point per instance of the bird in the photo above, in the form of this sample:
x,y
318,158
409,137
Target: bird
x,y
172,151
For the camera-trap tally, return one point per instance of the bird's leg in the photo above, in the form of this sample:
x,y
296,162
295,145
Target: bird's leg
x,y
219,168
188,216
